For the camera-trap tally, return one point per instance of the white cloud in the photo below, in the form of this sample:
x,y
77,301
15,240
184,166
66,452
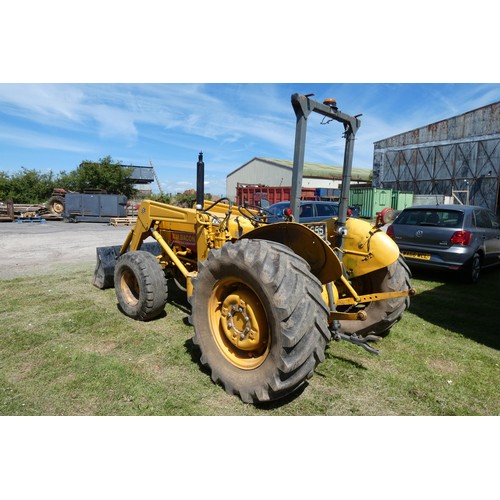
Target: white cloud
x,y
38,140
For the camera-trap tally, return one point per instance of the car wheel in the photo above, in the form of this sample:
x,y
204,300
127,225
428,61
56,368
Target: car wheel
x,y
472,271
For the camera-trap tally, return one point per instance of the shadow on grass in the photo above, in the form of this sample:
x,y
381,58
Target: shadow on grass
x,y
178,298
195,354
469,310
355,364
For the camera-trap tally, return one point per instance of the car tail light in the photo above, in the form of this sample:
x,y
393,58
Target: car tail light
x,y
461,238
390,232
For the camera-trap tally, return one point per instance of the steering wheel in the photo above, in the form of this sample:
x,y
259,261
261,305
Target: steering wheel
x,y
245,211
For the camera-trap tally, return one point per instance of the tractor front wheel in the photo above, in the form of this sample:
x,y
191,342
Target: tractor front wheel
x,y
259,319
140,285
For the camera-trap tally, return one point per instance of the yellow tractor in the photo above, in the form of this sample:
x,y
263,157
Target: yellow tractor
x,y
265,297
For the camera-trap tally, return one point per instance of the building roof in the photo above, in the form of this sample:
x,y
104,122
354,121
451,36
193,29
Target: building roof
x,y
315,170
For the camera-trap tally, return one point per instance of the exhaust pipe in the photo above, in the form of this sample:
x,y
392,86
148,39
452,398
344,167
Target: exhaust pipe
x,y
200,181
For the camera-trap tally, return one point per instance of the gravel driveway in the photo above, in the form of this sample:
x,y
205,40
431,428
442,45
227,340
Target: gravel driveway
x,y
35,248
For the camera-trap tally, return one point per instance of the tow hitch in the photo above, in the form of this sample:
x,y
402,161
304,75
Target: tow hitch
x,y
359,340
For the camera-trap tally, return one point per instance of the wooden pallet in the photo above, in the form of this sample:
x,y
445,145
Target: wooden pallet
x,y
122,221
22,220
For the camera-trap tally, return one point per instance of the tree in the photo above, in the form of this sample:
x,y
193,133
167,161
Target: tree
x,y
26,186
105,174
4,186
186,199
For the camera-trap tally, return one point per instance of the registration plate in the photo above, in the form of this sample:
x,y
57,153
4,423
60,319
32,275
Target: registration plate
x,y
416,255
319,229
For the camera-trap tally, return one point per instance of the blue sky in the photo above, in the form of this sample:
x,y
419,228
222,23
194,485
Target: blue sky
x,y
56,126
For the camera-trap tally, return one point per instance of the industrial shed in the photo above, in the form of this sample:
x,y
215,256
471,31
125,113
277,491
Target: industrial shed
x,y
457,157
273,172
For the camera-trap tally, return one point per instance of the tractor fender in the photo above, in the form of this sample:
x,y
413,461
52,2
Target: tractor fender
x,y
324,264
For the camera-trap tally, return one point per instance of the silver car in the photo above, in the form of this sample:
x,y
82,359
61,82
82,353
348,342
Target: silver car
x,y
453,237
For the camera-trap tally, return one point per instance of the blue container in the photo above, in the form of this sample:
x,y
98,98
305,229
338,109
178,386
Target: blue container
x,y
80,207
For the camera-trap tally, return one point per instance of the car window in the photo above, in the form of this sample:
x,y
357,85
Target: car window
x,y
327,210
306,210
431,217
495,221
483,219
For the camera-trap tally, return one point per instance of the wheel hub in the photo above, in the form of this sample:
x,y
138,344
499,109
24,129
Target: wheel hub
x,y
241,323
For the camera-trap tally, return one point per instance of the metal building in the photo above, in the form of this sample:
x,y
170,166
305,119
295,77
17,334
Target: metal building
x,y
457,157
273,172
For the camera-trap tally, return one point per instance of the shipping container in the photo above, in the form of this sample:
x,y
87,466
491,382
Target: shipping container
x,y
327,194
369,201
252,194
79,207
401,200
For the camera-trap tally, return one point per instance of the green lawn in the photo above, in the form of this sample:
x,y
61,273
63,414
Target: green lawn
x,y
65,349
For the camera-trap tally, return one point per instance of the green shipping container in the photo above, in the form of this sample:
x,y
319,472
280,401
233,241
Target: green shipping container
x,y
401,200
370,200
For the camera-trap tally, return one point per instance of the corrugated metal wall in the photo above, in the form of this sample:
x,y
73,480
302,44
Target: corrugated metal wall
x,y
459,154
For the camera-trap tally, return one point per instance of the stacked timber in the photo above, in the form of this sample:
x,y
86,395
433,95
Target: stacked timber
x,y
122,221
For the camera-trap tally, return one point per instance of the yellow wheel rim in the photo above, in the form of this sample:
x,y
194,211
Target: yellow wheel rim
x,y
238,323
58,207
129,287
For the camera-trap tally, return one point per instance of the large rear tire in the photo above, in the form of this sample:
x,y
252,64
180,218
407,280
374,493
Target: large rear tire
x,y
140,285
382,314
56,205
259,319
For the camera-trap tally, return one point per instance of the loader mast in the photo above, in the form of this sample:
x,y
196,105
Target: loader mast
x,y
303,107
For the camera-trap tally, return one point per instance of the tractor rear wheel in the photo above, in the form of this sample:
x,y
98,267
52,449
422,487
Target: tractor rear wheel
x,y
259,319
140,285
382,314
56,205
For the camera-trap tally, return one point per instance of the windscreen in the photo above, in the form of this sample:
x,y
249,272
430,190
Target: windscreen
x,y
431,217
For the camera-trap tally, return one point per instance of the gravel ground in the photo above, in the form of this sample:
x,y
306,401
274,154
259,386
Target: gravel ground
x,y
36,248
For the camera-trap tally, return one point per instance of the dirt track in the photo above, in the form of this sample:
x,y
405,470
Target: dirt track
x,y
36,248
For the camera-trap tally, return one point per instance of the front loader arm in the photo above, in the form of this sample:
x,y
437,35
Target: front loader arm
x,y
154,213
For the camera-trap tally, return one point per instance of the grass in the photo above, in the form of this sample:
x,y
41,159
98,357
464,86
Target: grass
x,y
65,349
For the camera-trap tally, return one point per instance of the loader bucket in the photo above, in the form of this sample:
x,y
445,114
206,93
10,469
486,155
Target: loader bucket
x,y
105,266
104,274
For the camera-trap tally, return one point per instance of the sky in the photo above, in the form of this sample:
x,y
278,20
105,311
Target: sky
x,y
56,126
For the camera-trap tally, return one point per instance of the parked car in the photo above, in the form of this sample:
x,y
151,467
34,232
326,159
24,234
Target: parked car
x,y
310,211
452,237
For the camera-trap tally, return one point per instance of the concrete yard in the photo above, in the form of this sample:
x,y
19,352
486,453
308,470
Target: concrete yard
x,y
34,248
